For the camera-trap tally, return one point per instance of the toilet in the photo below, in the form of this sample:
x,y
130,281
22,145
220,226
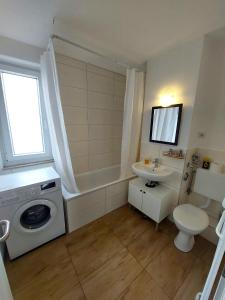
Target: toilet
x,y
191,221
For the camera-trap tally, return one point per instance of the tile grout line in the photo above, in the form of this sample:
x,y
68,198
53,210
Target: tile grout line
x,y
74,268
125,247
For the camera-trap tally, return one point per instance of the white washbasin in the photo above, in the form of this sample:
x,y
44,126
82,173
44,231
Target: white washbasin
x,y
161,173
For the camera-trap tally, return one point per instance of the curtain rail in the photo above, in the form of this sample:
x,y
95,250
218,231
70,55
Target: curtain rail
x,y
114,61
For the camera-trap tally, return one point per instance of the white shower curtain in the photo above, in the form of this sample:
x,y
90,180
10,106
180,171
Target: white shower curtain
x,y
132,120
60,147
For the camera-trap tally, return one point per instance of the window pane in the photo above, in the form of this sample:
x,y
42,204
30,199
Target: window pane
x,y
21,95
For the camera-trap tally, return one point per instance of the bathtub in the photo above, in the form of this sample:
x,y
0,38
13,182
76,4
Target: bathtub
x,y
101,191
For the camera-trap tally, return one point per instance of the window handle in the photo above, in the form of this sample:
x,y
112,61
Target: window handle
x,y
6,225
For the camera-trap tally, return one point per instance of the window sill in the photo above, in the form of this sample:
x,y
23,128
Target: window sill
x,y
30,166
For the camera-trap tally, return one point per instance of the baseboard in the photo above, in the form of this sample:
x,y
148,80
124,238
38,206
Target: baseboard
x,y
210,235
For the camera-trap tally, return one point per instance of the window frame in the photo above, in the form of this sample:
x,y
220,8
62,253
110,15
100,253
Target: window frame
x,y
6,147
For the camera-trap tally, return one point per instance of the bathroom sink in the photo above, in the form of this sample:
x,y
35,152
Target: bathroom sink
x,y
151,173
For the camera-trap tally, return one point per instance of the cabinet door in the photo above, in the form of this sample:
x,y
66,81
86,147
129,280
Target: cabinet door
x,y
135,196
151,206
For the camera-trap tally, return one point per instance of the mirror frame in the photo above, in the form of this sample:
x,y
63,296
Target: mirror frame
x,y
180,106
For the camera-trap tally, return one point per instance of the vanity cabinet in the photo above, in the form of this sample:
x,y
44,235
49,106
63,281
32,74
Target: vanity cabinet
x,y
156,203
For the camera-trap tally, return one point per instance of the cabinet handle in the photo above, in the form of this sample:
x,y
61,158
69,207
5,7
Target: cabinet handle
x,y
144,192
141,191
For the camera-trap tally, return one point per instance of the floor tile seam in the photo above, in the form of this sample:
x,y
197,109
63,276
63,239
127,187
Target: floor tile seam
x,y
177,289
132,240
151,259
124,248
74,268
115,236
185,277
106,261
118,297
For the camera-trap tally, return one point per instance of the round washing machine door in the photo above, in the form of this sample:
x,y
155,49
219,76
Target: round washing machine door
x,y
34,216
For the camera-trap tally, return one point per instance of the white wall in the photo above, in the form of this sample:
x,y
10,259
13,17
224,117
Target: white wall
x,y
209,111
209,118
195,74
21,54
175,71
16,52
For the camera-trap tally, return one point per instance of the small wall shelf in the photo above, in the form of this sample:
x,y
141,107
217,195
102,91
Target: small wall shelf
x,y
173,156
177,154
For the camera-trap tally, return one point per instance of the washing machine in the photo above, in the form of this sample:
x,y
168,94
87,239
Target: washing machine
x,y
32,202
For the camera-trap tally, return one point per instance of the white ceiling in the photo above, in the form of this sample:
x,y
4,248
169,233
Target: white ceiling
x,y
128,29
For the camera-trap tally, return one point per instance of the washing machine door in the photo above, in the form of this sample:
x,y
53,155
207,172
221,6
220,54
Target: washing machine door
x,y
34,216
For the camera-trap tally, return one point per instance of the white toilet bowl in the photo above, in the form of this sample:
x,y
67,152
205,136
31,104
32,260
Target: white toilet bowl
x,y
190,220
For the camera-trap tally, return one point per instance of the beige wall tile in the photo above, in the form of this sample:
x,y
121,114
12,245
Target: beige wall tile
x,y
117,144
100,116
70,61
78,148
99,71
99,100
92,101
120,77
77,133
70,76
80,164
100,132
116,158
117,117
118,102
100,161
100,146
75,115
72,96
117,130
120,88
100,83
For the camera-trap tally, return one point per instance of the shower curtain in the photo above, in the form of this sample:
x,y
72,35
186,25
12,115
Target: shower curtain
x,y
59,142
132,120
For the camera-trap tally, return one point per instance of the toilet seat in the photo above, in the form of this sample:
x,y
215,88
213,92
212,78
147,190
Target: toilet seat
x,y
191,218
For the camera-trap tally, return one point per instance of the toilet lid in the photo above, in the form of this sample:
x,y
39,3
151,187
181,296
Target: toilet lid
x,y
191,217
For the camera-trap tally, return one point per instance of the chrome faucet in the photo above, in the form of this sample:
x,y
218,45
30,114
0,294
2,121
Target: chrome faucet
x,y
155,163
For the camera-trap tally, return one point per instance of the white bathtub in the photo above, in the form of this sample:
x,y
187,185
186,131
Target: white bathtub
x,y
101,191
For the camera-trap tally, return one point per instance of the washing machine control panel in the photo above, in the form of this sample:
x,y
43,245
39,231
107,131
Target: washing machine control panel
x,y
31,192
48,185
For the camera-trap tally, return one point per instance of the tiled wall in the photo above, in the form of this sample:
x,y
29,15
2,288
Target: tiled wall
x,y
92,101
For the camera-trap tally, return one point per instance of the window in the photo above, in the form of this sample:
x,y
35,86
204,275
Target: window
x,y
24,131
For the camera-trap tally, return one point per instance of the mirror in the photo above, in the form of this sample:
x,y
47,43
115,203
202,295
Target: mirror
x,y
165,124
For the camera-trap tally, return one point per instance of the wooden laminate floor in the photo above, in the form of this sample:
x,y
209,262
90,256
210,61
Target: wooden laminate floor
x,y
119,256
